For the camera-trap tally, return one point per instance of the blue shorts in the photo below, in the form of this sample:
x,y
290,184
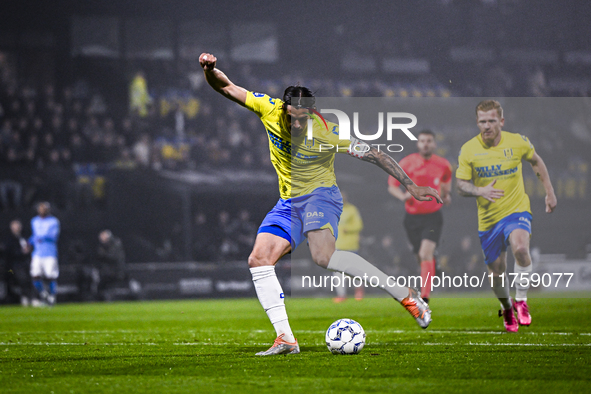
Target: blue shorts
x,y
496,240
293,218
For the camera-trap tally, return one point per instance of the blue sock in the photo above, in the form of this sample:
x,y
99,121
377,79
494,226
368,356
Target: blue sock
x,y
38,283
53,287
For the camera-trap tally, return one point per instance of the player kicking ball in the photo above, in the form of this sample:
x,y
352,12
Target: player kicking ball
x,y
310,203
490,169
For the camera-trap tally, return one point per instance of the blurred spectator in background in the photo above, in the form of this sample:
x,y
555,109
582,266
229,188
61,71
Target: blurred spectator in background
x,y
203,241
97,105
142,151
87,275
465,258
226,236
537,83
111,257
10,189
388,256
245,230
15,250
44,263
139,99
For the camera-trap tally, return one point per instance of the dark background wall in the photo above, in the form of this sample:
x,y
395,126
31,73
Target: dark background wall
x,y
445,49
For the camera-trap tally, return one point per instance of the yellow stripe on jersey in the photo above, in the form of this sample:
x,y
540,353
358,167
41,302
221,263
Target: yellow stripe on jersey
x,y
302,165
483,164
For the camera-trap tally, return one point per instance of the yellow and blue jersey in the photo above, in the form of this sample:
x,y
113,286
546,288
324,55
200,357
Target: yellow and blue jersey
x,y
301,165
483,164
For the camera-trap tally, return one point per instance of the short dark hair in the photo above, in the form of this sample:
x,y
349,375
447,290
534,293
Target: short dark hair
x,y
428,132
299,96
46,203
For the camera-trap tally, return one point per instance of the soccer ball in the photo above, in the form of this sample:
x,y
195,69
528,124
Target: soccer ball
x,y
345,336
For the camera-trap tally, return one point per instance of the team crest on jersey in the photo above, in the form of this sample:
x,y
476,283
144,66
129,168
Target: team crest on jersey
x,y
257,94
309,142
508,153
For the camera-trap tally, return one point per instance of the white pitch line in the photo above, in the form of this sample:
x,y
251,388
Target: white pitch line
x,y
262,344
481,344
107,332
449,332
77,344
530,344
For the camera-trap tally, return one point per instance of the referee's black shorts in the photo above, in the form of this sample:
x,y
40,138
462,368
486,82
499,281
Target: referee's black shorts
x,y
419,227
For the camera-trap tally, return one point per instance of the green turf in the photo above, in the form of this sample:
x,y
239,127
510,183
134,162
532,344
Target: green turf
x,y
209,346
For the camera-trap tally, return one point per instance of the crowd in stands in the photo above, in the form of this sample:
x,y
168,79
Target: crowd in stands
x,y
59,141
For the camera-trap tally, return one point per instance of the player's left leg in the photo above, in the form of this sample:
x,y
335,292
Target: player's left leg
x,y
500,286
427,260
322,248
519,240
341,288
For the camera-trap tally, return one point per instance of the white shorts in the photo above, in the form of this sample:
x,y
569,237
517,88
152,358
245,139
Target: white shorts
x,y
45,267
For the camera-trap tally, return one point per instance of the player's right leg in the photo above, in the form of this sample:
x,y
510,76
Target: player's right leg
x,y
500,287
37,279
51,272
268,249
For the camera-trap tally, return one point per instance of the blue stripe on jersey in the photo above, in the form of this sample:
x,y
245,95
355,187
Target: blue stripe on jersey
x,y
279,143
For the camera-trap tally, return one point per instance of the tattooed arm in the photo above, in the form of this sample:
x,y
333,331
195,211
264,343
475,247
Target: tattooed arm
x,y
372,155
542,173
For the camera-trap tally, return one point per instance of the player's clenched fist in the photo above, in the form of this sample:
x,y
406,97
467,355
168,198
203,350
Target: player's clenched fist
x,y
207,61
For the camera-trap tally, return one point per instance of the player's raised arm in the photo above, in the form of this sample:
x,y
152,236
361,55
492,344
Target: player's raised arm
x,y
388,164
542,173
219,81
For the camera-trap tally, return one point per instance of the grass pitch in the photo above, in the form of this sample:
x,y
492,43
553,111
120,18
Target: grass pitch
x,y
209,346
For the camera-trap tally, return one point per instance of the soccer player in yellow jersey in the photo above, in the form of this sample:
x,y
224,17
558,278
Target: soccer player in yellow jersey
x,y
490,170
310,203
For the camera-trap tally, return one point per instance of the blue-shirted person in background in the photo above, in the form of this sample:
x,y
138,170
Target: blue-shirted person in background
x,y
44,265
